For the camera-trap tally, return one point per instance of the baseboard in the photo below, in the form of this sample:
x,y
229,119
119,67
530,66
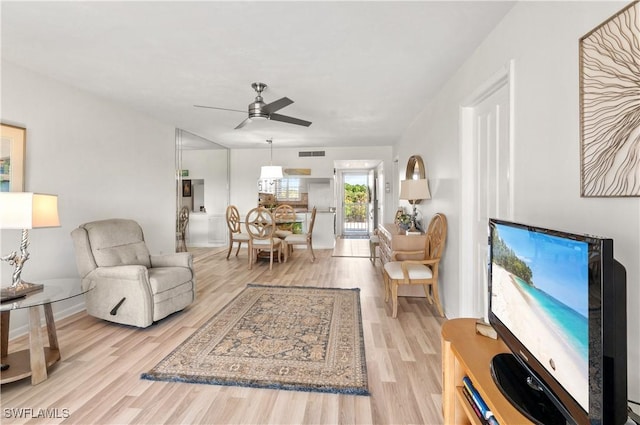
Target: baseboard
x,y
58,315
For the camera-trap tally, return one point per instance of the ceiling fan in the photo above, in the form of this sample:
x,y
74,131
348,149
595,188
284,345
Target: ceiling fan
x,y
260,110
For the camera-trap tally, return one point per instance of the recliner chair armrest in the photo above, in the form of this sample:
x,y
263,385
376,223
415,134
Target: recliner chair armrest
x,y
121,294
137,273
178,259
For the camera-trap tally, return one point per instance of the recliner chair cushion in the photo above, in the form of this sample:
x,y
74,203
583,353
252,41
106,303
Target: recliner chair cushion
x,y
117,242
162,279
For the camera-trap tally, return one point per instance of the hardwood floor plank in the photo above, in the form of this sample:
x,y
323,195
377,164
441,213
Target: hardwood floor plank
x,y
98,378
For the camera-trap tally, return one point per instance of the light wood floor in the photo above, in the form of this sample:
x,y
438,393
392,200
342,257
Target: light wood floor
x,y
98,379
351,248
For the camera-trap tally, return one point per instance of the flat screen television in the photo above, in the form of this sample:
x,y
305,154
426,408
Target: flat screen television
x,y
558,301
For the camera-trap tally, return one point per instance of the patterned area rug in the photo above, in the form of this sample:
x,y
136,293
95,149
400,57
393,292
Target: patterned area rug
x,y
292,338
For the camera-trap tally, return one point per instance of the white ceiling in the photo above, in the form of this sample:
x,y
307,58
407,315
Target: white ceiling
x,y
360,71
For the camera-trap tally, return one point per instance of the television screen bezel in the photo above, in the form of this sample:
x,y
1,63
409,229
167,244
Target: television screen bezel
x,y
603,248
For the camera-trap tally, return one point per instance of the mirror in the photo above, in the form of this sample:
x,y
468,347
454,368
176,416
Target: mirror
x,y
202,186
415,171
415,168
12,150
202,174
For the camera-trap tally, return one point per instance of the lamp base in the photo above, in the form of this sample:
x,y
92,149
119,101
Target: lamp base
x,y
20,290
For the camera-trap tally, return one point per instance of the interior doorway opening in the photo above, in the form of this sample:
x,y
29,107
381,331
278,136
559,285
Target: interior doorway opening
x,y
359,194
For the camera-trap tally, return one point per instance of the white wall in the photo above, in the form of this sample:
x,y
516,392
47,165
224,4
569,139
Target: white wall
x,y
101,159
211,166
542,39
245,167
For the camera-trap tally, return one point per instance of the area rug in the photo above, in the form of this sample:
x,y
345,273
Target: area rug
x,y
282,337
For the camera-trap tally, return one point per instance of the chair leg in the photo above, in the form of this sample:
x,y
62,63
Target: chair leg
x,y
250,258
385,278
230,248
310,248
394,296
427,292
271,259
237,250
434,288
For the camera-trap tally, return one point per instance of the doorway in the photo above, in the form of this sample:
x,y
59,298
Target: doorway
x,y
487,182
355,204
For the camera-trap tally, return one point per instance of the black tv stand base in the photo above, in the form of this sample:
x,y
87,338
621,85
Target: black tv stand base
x,y
515,383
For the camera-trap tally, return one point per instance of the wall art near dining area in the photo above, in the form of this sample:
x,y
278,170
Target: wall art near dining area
x,y
12,155
610,106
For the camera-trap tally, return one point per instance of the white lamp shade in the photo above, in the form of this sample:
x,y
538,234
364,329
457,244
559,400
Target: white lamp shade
x,y
24,210
270,172
414,190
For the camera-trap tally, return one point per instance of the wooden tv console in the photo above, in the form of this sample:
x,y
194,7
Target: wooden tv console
x,y
465,353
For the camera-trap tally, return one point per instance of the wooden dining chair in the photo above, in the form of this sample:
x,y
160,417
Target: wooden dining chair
x,y
235,231
374,242
304,238
261,228
181,229
285,217
418,272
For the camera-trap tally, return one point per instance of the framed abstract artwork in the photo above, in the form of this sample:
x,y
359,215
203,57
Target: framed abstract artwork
x,y
12,158
610,106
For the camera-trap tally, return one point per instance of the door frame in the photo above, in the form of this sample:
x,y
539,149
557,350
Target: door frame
x,y
341,173
468,201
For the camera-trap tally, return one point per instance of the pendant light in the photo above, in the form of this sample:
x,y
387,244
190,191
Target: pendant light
x,y
270,172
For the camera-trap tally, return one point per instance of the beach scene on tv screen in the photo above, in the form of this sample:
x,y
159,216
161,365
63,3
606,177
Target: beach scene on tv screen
x,y
540,292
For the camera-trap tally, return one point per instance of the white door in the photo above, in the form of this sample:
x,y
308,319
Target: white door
x,y
372,200
492,136
488,187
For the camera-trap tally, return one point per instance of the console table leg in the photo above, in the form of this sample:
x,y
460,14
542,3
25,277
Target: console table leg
x,y
36,347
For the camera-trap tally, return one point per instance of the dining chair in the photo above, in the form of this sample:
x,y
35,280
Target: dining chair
x,y
304,238
374,242
285,217
261,228
418,272
235,231
181,229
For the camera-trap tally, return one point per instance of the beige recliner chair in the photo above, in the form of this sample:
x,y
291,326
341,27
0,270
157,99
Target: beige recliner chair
x,y
132,287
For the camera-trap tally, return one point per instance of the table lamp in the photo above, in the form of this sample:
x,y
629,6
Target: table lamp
x,y
23,210
413,191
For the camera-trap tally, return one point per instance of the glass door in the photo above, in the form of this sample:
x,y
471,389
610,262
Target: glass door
x,y
355,204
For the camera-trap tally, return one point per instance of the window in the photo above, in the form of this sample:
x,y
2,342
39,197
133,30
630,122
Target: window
x,y
267,186
288,189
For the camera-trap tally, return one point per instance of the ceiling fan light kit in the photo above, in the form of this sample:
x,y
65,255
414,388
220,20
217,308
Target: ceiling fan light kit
x,y
260,110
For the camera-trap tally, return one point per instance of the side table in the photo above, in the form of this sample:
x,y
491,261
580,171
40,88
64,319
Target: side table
x,y
35,360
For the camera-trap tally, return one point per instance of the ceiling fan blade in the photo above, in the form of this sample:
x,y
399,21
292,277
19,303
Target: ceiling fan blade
x,y
290,120
277,105
222,109
243,123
